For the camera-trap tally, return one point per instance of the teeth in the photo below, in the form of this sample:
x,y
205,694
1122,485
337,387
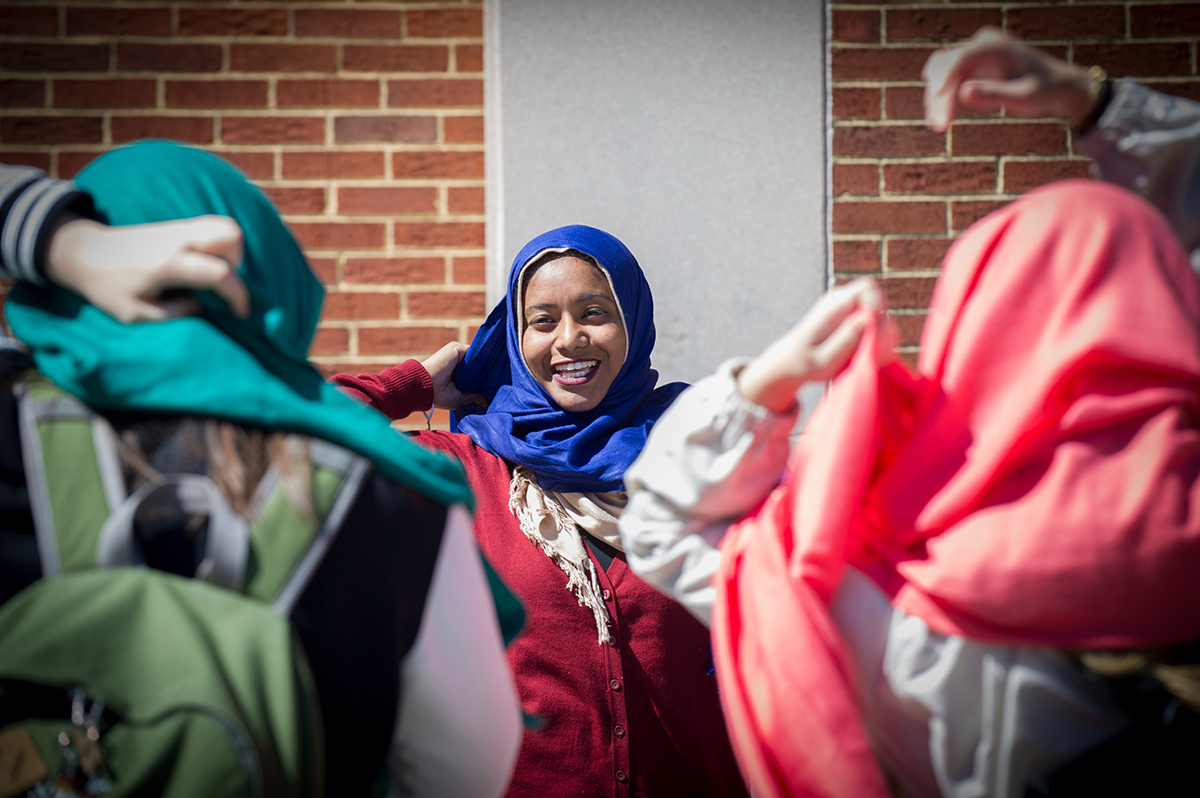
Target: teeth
x,y
582,365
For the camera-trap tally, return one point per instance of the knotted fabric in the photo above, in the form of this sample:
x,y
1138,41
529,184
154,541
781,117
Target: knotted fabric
x,y
1036,483
567,452
252,371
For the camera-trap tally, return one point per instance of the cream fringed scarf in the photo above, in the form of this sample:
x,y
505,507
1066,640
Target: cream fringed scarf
x,y
552,521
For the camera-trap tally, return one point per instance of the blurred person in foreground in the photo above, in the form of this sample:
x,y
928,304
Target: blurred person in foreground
x,y
980,576
976,579
379,583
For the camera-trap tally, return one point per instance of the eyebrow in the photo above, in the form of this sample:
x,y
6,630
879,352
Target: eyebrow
x,y
575,301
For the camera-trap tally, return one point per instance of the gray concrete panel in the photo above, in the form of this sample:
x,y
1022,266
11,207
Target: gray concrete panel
x,y
693,130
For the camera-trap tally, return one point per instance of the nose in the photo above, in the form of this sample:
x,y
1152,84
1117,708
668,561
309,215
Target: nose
x,y
571,335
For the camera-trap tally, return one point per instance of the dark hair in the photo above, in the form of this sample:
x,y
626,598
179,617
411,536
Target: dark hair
x,y
234,456
549,257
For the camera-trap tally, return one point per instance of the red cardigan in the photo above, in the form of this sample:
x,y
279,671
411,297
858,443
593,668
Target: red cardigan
x,y
640,717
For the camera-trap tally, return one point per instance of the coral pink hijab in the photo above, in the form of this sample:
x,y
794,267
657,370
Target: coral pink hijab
x,y
1037,483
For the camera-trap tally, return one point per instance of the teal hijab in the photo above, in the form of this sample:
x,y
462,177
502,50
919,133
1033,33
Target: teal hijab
x,y
252,371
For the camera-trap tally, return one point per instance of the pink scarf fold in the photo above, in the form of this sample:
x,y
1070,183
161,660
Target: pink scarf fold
x,y
1038,481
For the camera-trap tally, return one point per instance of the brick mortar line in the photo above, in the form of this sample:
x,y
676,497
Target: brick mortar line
x,y
947,198
303,182
399,5
217,145
934,5
341,42
915,160
311,111
437,217
211,77
888,196
418,112
964,122
236,38
375,253
937,44
288,149
353,182
910,83
999,159
352,360
291,8
447,321
375,324
879,237
877,83
341,218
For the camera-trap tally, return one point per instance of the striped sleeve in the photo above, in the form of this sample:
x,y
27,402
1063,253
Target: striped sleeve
x,y
30,205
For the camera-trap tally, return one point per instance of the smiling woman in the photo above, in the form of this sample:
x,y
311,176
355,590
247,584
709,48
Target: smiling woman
x,y
573,339
553,401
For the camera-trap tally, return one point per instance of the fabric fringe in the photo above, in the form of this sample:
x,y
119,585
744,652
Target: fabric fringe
x,y
531,505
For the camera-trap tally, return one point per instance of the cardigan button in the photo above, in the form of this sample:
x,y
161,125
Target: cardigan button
x,y
619,731
621,777
606,593
615,685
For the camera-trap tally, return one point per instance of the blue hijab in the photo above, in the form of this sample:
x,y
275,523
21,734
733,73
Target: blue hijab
x,y
569,452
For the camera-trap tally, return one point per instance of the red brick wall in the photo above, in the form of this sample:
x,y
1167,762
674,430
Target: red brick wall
x,y
901,192
364,125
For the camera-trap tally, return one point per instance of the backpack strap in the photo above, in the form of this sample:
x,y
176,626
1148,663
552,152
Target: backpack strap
x,y
227,545
338,476
84,516
62,436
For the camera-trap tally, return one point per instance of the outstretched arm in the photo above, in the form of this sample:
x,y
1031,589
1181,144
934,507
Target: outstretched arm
x,y
992,70
723,445
412,386
1138,139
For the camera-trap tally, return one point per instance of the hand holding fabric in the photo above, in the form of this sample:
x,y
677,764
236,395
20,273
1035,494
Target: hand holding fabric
x,y
817,347
441,365
125,270
1034,484
992,70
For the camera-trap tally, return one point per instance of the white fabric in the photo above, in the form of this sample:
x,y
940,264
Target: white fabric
x,y
595,513
708,461
1149,143
552,522
948,715
460,723
956,717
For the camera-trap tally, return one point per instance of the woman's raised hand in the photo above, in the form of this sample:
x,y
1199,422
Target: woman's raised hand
x,y
125,270
818,346
991,70
441,365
